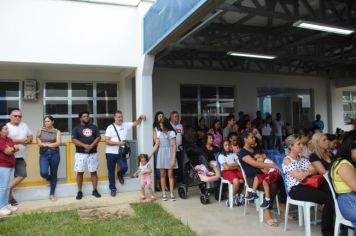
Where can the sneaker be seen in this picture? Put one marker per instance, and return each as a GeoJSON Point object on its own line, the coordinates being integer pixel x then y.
{"type": "Point", "coordinates": [11, 208]}
{"type": "Point", "coordinates": [172, 197]}
{"type": "Point", "coordinates": [238, 200]}
{"type": "Point", "coordinates": [113, 193]}
{"type": "Point", "coordinates": [265, 204]}
{"type": "Point", "coordinates": [5, 211]}
{"type": "Point", "coordinates": [251, 196]}
{"type": "Point", "coordinates": [164, 197]}
{"type": "Point", "coordinates": [96, 193]}
{"type": "Point", "coordinates": [79, 195]}
{"type": "Point", "coordinates": [121, 179]}
{"type": "Point", "coordinates": [13, 202]}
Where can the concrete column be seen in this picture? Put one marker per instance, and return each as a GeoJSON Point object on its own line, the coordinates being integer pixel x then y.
{"type": "Point", "coordinates": [144, 103]}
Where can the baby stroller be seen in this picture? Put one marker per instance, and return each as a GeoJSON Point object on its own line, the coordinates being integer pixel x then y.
{"type": "Point", "coordinates": [193, 156]}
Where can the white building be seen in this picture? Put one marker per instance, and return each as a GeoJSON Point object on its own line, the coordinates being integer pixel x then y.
{"type": "Point", "coordinates": [95, 55]}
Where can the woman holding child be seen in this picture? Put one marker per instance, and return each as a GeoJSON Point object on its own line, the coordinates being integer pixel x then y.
{"type": "Point", "coordinates": [253, 167]}
{"type": "Point", "coordinates": [296, 169]}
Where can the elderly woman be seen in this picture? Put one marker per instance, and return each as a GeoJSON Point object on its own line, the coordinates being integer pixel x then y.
{"type": "Point", "coordinates": [296, 169]}
{"type": "Point", "coordinates": [343, 175]}
{"type": "Point", "coordinates": [252, 167]}
{"type": "Point", "coordinates": [7, 168]}
{"type": "Point", "coordinates": [321, 158]}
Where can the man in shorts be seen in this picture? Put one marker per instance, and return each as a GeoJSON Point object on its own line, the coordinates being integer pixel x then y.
{"type": "Point", "coordinates": [86, 137]}
{"type": "Point", "coordinates": [21, 135]}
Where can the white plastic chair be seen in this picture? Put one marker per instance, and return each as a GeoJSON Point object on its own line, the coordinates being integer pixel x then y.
{"type": "Point", "coordinates": [222, 182]}
{"type": "Point", "coordinates": [339, 218]}
{"type": "Point", "coordinates": [258, 201]}
{"type": "Point", "coordinates": [303, 210]}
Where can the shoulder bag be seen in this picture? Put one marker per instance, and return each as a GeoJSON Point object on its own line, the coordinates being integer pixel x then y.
{"type": "Point", "coordinates": [123, 149]}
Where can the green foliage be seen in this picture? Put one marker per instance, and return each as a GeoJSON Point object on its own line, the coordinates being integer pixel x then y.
{"type": "Point", "coordinates": [149, 219]}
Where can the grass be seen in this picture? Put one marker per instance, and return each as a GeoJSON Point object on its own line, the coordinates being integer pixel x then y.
{"type": "Point", "coordinates": [149, 219]}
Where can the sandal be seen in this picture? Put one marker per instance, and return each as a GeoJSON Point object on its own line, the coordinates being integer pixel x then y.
{"type": "Point", "coordinates": [52, 198]}
{"type": "Point", "coordinates": [142, 198]}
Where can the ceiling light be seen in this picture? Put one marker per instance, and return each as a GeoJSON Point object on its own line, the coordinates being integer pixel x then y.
{"type": "Point", "coordinates": [323, 27]}
{"type": "Point", "coordinates": [253, 55]}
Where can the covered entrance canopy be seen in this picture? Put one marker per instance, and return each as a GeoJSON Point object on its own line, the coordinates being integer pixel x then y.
{"type": "Point", "coordinates": [202, 37]}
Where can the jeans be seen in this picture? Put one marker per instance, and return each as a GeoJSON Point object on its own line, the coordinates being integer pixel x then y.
{"type": "Point", "coordinates": [112, 160]}
{"type": "Point", "coordinates": [266, 142]}
{"type": "Point", "coordinates": [347, 205]}
{"type": "Point", "coordinates": [6, 176]}
{"type": "Point", "coordinates": [49, 162]}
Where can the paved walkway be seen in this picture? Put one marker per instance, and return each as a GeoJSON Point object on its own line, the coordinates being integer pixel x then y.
{"type": "Point", "coordinates": [212, 219]}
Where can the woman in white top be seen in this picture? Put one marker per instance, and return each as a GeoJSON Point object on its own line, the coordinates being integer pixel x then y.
{"type": "Point", "coordinates": [296, 169]}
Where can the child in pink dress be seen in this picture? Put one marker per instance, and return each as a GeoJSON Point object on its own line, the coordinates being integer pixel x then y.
{"type": "Point", "coordinates": [144, 171]}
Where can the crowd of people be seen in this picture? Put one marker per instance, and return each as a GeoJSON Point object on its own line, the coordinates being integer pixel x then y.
{"type": "Point", "coordinates": [237, 146]}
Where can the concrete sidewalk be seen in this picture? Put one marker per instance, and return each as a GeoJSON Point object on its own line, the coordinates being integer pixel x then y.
{"type": "Point", "coordinates": [208, 220]}
{"type": "Point", "coordinates": [217, 219]}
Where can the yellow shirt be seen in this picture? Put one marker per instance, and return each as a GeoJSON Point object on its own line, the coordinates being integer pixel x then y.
{"type": "Point", "coordinates": [339, 185]}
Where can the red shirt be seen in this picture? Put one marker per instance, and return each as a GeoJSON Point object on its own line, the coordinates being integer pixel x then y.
{"type": "Point", "coordinates": [7, 161]}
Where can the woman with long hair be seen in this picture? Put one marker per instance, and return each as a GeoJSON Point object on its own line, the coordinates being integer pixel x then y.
{"type": "Point", "coordinates": [49, 139]}
{"type": "Point", "coordinates": [216, 131]}
{"type": "Point", "coordinates": [296, 169]}
{"type": "Point", "coordinates": [253, 167]}
{"type": "Point", "coordinates": [321, 158]}
{"type": "Point", "coordinates": [343, 176]}
{"type": "Point", "coordinates": [166, 157]}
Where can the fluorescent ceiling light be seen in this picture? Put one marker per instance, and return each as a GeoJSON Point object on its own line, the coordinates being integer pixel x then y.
{"type": "Point", "coordinates": [323, 27]}
{"type": "Point", "coordinates": [253, 55]}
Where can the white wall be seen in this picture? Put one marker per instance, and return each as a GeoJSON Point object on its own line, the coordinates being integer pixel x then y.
{"type": "Point", "coordinates": [166, 87]}
{"type": "Point", "coordinates": [68, 32]}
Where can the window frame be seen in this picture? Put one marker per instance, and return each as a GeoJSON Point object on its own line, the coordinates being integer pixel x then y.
{"type": "Point", "coordinates": [7, 116]}
{"type": "Point", "coordinates": [70, 116]}
{"type": "Point", "coordinates": [349, 103]}
{"type": "Point", "coordinates": [199, 100]}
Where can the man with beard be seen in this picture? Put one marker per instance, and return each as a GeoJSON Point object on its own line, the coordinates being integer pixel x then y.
{"type": "Point", "coordinates": [86, 137]}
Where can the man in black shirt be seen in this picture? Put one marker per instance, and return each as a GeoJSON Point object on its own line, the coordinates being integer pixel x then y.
{"type": "Point", "coordinates": [86, 137]}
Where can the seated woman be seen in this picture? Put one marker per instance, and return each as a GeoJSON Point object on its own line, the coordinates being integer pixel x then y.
{"type": "Point", "coordinates": [296, 169]}
{"type": "Point", "coordinates": [343, 176]}
{"type": "Point", "coordinates": [210, 150]}
{"type": "Point", "coordinates": [253, 167]}
{"type": "Point", "coordinates": [230, 170]}
{"type": "Point", "coordinates": [321, 158]}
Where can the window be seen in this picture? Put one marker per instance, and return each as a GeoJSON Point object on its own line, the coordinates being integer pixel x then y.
{"type": "Point", "coordinates": [65, 100]}
{"type": "Point", "coordinates": [9, 98]}
{"type": "Point", "coordinates": [349, 105]}
{"type": "Point", "coordinates": [210, 102]}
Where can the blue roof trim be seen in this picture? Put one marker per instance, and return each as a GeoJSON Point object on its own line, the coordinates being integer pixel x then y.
{"type": "Point", "coordinates": [164, 17]}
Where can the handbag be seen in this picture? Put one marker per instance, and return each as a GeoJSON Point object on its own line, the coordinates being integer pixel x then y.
{"type": "Point", "coordinates": [123, 149]}
{"type": "Point", "coordinates": [313, 181]}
